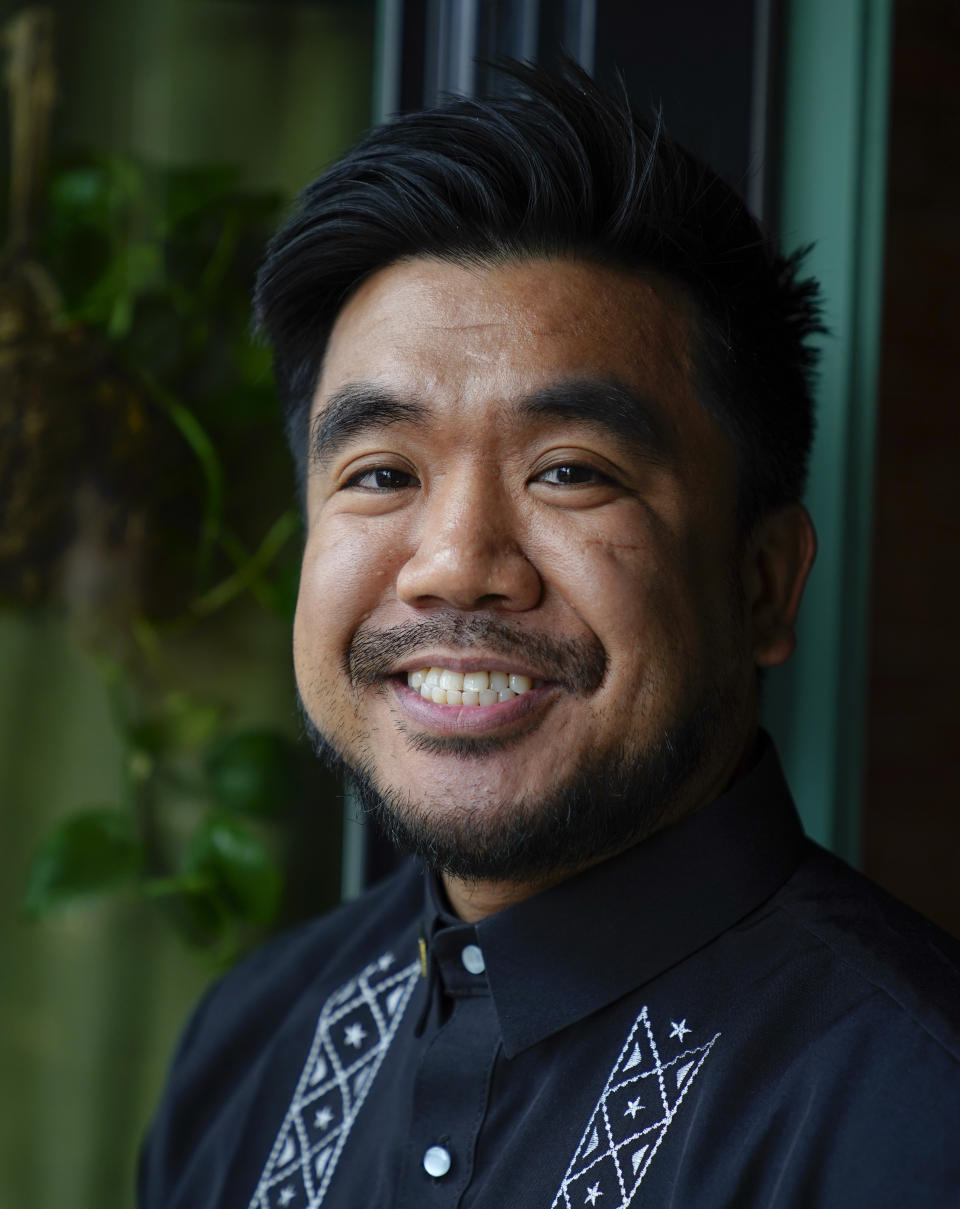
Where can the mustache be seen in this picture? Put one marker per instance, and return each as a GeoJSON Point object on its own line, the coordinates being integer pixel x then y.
{"type": "Point", "coordinates": [577, 664]}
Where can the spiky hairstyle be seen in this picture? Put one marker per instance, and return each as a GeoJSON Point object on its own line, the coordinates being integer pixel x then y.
{"type": "Point", "coordinates": [558, 167]}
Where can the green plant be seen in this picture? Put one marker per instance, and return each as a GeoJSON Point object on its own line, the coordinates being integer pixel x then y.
{"type": "Point", "coordinates": [139, 456]}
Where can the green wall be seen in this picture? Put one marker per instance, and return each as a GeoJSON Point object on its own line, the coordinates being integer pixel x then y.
{"type": "Point", "coordinates": [832, 189]}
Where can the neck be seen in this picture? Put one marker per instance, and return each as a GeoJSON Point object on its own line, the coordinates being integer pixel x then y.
{"type": "Point", "coordinates": [472, 901]}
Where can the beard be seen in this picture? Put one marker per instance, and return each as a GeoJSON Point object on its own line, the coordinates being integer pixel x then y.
{"type": "Point", "coordinates": [615, 799]}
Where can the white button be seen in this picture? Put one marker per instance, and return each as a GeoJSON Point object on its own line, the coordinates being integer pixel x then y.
{"type": "Point", "coordinates": [436, 1161]}
{"type": "Point", "coordinates": [472, 958]}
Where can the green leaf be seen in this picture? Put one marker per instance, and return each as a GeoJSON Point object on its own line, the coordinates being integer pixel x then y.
{"type": "Point", "coordinates": [245, 874]}
{"type": "Point", "coordinates": [135, 268]}
{"type": "Point", "coordinates": [207, 455]}
{"type": "Point", "coordinates": [78, 195]}
{"type": "Point", "coordinates": [88, 854]}
{"type": "Point", "coordinates": [251, 569]}
{"type": "Point", "coordinates": [202, 919]}
{"type": "Point", "coordinates": [253, 772]}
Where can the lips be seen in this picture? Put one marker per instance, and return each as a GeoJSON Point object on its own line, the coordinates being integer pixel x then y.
{"type": "Point", "coordinates": [499, 709]}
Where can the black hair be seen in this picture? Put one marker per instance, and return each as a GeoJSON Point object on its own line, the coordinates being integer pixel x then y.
{"type": "Point", "coordinates": [558, 167]}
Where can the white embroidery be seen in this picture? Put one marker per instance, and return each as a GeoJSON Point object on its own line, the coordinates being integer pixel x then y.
{"type": "Point", "coordinates": [356, 1026]}
{"type": "Point", "coordinates": [636, 1107]}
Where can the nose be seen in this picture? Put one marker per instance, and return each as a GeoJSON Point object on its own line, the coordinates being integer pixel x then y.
{"type": "Point", "coordinates": [468, 551]}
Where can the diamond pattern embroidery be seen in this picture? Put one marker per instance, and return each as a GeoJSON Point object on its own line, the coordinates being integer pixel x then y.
{"type": "Point", "coordinates": [636, 1107]}
{"type": "Point", "coordinates": [356, 1026]}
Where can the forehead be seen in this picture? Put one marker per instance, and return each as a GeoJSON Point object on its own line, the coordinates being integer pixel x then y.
{"type": "Point", "coordinates": [466, 334]}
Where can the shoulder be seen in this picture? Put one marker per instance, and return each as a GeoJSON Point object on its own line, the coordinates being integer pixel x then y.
{"type": "Point", "coordinates": [879, 945]}
{"type": "Point", "coordinates": [246, 1039]}
{"type": "Point", "coordinates": [309, 960]}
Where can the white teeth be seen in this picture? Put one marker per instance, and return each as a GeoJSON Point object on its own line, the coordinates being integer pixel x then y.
{"type": "Point", "coordinates": [445, 687]}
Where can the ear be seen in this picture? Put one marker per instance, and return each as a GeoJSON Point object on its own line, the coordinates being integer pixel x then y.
{"type": "Point", "coordinates": [779, 556]}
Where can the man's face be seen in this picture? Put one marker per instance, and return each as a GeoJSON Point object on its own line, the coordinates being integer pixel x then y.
{"type": "Point", "coordinates": [510, 472]}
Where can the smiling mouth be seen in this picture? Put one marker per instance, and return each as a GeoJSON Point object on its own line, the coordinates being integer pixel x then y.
{"type": "Point", "coordinates": [444, 686]}
{"type": "Point", "coordinates": [447, 646]}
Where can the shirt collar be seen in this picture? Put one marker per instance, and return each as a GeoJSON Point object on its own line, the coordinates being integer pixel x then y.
{"type": "Point", "coordinates": [576, 947]}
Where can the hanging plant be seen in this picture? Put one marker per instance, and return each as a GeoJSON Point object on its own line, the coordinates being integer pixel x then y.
{"type": "Point", "coordinates": [132, 404]}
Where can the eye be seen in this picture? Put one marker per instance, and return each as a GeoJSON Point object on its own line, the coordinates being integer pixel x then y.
{"type": "Point", "coordinates": [381, 478]}
{"type": "Point", "coordinates": [572, 474]}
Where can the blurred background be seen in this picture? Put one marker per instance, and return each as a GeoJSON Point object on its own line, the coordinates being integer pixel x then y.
{"type": "Point", "coordinates": [159, 814]}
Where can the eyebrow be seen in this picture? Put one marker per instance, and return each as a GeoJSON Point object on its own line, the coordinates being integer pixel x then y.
{"type": "Point", "coordinates": [356, 408]}
{"type": "Point", "coordinates": [607, 404]}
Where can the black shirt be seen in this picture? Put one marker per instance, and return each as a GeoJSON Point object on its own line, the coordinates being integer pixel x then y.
{"type": "Point", "coordinates": [724, 1015]}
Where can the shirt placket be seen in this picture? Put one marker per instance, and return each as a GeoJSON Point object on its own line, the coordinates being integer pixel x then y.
{"type": "Point", "coordinates": [452, 1082]}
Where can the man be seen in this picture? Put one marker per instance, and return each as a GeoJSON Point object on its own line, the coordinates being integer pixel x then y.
{"type": "Point", "coordinates": [548, 387]}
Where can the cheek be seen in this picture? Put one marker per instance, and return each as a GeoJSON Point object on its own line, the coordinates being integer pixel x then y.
{"type": "Point", "coordinates": [344, 576]}
{"type": "Point", "coordinates": [643, 592]}
{"type": "Point", "coordinates": [618, 576]}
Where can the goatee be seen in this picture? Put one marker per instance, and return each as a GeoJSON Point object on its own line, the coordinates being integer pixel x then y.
{"type": "Point", "coordinates": [616, 799]}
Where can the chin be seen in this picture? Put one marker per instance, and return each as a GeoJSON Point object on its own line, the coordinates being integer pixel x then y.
{"type": "Point", "coordinates": [614, 799]}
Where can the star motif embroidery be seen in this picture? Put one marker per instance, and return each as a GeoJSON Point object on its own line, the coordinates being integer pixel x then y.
{"type": "Point", "coordinates": [633, 1107]}
{"type": "Point", "coordinates": [593, 1193]}
{"type": "Point", "coordinates": [323, 1118]}
{"type": "Point", "coordinates": [679, 1030]}
{"type": "Point", "coordinates": [354, 1034]}
{"type": "Point", "coordinates": [286, 1196]}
